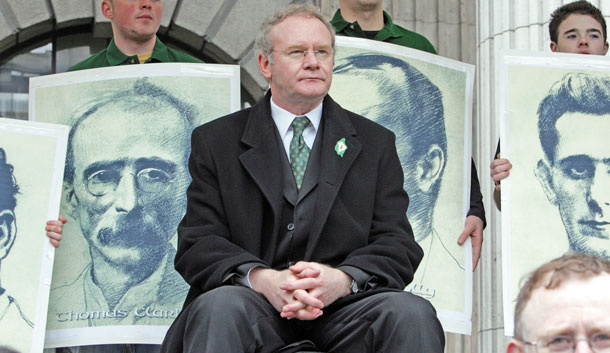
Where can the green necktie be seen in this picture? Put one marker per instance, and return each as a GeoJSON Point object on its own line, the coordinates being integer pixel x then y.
{"type": "Point", "coordinates": [299, 152]}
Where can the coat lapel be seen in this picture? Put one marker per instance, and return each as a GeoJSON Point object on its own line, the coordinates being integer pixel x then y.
{"type": "Point", "coordinates": [262, 162]}
{"type": "Point", "coordinates": [333, 167]}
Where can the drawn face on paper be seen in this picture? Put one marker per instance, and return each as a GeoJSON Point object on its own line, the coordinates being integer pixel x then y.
{"type": "Point", "coordinates": [577, 180]}
{"type": "Point", "coordinates": [129, 188]}
{"type": "Point", "coordinates": [394, 94]}
{"type": "Point", "coordinates": [8, 190]}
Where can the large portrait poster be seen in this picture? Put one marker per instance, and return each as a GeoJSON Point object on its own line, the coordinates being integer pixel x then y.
{"type": "Point", "coordinates": [32, 157]}
{"type": "Point", "coordinates": [124, 193]}
{"type": "Point", "coordinates": [426, 100]}
{"type": "Point", "coordinates": [554, 130]}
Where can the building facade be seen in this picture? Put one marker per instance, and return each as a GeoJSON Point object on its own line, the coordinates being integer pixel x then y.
{"type": "Point", "coordinates": [39, 37]}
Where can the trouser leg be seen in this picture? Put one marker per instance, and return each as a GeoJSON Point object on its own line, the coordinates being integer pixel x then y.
{"type": "Point", "coordinates": [144, 348]}
{"type": "Point", "coordinates": [100, 348]}
{"type": "Point", "coordinates": [229, 319]}
{"type": "Point", "coordinates": [385, 322]}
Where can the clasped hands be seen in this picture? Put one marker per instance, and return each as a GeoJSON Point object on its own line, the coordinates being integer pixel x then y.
{"type": "Point", "coordinates": [302, 290]}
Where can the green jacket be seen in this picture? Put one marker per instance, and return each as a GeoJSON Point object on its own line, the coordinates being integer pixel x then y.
{"type": "Point", "coordinates": [112, 56]}
{"type": "Point", "coordinates": [390, 33]}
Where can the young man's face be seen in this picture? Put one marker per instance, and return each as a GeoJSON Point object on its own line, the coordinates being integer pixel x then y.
{"type": "Point", "coordinates": [361, 4]}
{"type": "Point", "coordinates": [580, 34]}
{"type": "Point", "coordinates": [134, 20]}
{"type": "Point", "coordinates": [577, 181]}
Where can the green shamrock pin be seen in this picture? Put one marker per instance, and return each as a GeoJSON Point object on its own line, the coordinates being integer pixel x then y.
{"type": "Point", "coordinates": [341, 147]}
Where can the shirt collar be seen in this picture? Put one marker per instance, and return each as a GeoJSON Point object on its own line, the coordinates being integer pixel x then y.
{"type": "Point", "coordinates": [283, 118]}
{"type": "Point", "coordinates": [388, 30]}
{"type": "Point", "coordinates": [338, 22]}
{"type": "Point", "coordinates": [116, 57]}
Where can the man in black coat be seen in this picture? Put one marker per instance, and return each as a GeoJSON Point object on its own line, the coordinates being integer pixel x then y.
{"type": "Point", "coordinates": [295, 234]}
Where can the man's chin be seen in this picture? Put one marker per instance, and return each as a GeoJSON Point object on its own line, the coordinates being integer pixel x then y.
{"type": "Point", "coordinates": [594, 244]}
{"type": "Point", "coordinates": [121, 257]}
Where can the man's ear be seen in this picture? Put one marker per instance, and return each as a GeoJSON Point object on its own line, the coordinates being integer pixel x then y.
{"type": "Point", "coordinates": [107, 9]}
{"type": "Point", "coordinates": [8, 232]}
{"type": "Point", "coordinates": [70, 201]}
{"type": "Point", "coordinates": [554, 47]}
{"type": "Point", "coordinates": [543, 173]}
{"type": "Point", "coordinates": [514, 346]}
{"type": "Point", "coordinates": [605, 48]}
{"type": "Point", "coordinates": [264, 65]}
{"type": "Point", "coordinates": [430, 168]}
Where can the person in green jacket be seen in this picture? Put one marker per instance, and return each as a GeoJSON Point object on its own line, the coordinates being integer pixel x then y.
{"type": "Point", "coordinates": [134, 27]}
{"type": "Point", "coordinates": [366, 19]}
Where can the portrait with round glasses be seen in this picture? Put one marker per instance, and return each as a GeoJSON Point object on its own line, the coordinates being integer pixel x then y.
{"type": "Point", "coordinates": [124, 194]}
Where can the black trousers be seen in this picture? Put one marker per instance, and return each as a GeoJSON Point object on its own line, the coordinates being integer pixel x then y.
{"type": "Point", "coordinates": [237, 319]}
{"type": "Point", "coordinates": [111, 348]}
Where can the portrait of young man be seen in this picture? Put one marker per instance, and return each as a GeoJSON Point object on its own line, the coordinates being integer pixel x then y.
{"type": "Point", "coordinates": [573, 121]}
{"type": "Point", "coordinates": [555, 126]}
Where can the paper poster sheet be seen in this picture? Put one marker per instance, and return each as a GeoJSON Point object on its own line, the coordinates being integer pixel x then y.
{"type": "Point", "coordinates": [554, 129]}
{"type": "Point", "coordinates": [427, 101]}
{"type": "Point", "coordinates": [124, 193]}
{"type": "Point", "coordinates": [32, 157]}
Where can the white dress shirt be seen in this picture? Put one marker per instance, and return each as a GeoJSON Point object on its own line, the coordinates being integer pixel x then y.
{"type": "Point", "coordinates": [283, 120]}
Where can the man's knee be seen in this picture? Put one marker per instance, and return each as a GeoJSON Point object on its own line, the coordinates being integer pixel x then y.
{"type": "Point", "coordinates": [221, 302]}
{"type": "Point", "coordinates": [413, 306]}
{"type": "Point", "coordinates": [414, 320]}
{"type": "Point", "coordinates": [403, 308]}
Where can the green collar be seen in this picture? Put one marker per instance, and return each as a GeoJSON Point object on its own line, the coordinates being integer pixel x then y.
{"type": "Point", "coordinates": [389, 30]}
{"type": "Point", "coordinates": [116, 57]}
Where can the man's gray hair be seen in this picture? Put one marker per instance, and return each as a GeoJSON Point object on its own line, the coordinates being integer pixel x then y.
{"type": "Point", "coordinates": [264, 43]}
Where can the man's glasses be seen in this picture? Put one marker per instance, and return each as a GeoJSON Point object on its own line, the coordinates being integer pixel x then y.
{"type": "Point", "coordinates": [300, 54]}
{"type": "Point", "coordinates": [599, 343]}
{"type": "Point", "coordinates": [150, 180]}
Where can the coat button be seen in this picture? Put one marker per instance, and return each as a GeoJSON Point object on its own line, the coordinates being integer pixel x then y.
{"type": "Point", "coordinates": [290, 226]}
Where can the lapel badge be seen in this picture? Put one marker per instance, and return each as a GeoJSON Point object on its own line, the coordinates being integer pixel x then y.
{"type": "Point", "coordinates": [340, 147]}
